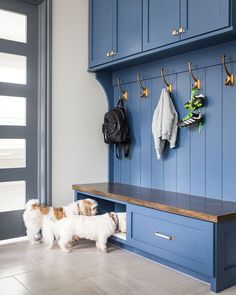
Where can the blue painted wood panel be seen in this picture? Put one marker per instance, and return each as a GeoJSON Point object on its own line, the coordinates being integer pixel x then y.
{"type": "Point", "coordinates": [229, 142]}
{"type": "Point", "coordinates": [146, 142]}
{"type": "Point", "coordinates": [202, 163]}
{"type": "Point", "coordinates": [160, 19]}
{"type": "Point", "coordinates": [197, 149]}
{"type": "Point", "coordinates": [200, 17]}
{"type": "Point", "coordinates": [225, 265]}
{"type": "Point", "coordinates": [184, 135]}
{"type": "Point", "coordinates": [127, 24]}
{"type": "Point", "coordinates": [100, 26]}
{"type": "Point", "coordinates": [185, 241]}
{"type": "Point", "coordinates": [213, 131]}
{"type": "Point", "coordinates": [135, 120]}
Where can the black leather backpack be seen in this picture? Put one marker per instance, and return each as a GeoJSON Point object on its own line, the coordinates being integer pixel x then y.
{"type": "Point", "coordinates": [115, 129]}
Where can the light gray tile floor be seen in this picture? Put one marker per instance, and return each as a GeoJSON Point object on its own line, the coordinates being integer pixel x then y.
{"type": "Point", "coordinates": [26, 269]}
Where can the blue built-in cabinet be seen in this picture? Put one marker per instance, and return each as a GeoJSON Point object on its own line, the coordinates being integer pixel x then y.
{"type": "Point", "coordinates": [128, 37]}
{"type": "Point", "coordinates": [171, 21]}
{"type": "Point", "coordinates": [161, 23]}
{"type": "Point", "coordinates": [204, 16]}
{"type": "Point", "coordinates": [115, 30]}
{"type": "Point", "coordinates": [100, 27]}
{"type": "Point", "coordinates": [131, 31]}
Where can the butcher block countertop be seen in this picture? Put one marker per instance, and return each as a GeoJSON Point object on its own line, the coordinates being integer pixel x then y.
{"type": "Point", "coordinates": [202, 208]}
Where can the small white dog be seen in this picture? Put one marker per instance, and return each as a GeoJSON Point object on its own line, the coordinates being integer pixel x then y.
{"type": "Point", "coordinates": [35, 215]}
{"type": "Point", "coordinates": [97, 228]}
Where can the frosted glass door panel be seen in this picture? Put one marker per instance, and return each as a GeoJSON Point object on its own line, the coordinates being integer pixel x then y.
{"type": "Point", "coordinates": [13, 26]}
{"type": "Point", "coordinates": [12, 68]}
{"type": "Point", "coordinates": [12, 153]}
{"type": "Point", "coordinates": [12, 196]}
{"type": "Point", "coordinates": [12, 111]}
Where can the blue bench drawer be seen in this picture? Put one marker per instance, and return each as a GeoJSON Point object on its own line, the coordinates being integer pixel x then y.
{"type": "Point", "coordinates": [181, 240]}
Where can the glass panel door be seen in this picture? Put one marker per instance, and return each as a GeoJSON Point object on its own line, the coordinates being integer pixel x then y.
{"type": "Point", "coordinates": [18, 112]}
{"type": "Point", "coordinates": [13, 26]}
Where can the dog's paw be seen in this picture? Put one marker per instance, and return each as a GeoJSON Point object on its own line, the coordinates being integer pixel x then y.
{"type": "Point", "coordinates": [104, 249]}
{"type": "Point", "coordinates": [36, 242]}
{"type": "Point", "coordinates": [67, 250]}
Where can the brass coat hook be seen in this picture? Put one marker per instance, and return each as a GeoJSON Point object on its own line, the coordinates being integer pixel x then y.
{"type": "Point", "coordinates": [168, 85]}
{"type": "Point", "coordinates": [143, 90]}
{"type": "Point", "coordinates": [197, 82]}
{"type": "Point", "coordinates": [229, 81]}
{"type": "Point", "coordinates": [123, 93]}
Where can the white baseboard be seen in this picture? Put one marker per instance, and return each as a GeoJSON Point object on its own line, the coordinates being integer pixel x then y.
{"type": "Point", "coordinates": [11, 241]}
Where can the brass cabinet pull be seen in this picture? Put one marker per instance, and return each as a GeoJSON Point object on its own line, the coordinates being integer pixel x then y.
{"type": "Point", "coordinates": [113, 53]}
{"type": "Point", "coordinates": [182, 30]}
{"type": "Point", "coordinates": [158, 234]}
{"type": "Point", "coordinates": [175, 32]}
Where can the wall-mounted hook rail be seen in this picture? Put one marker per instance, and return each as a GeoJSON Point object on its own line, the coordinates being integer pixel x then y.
{"type": "Point", "coordinates": [229, 81]}
{"type": "Point", "coordinates": [197, 82]}
{"type": "Point", "coordinates": [143, 90]}
{"type": "Point", "coordinates": [168, 85]}
{"type": "Point", "coordinates": [123, 93]}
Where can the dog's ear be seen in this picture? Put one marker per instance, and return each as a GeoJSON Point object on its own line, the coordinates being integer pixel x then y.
{"type": "Point", "coordinates": [80, 207]}
{"type": "Point", "coordinates": [85, 207]}
{"type": "Point", "coordinates": [35, 206]}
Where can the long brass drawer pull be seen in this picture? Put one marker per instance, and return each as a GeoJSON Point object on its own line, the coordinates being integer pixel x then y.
{"type": "Point", "coordinates": [158, 234]}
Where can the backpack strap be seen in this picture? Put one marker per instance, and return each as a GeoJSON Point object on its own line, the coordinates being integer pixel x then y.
{"type": "Point", "coordinates": [117, 151]}
{"type": "Point", "coordinates": [120, 103]}
{"type": "Point", "coordinates": [126, 149]}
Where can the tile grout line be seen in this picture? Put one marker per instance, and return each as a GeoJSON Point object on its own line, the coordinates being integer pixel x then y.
{"type": "Point", "coordinates": [22, 285]}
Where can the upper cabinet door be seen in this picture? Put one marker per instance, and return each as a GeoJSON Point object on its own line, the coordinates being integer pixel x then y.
{"type": "Point", "coordinates": [160, 23]}
{"type": "Point", "coordinates": [128, 26]}
{"type": "Point", "coordinates": [100, 31]}
{"type": "Point", "coordinates": [203, 16]}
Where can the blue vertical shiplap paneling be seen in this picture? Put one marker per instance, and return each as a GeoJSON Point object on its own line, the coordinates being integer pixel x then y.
{"type": "Point", "coordinates": [229, 140]}
{"type": "Point", "coordinates": [117, 162]}
{"type": "Point", "coordinates": [157, 177]}
{"type": "Point", "coordinates": [183, 140]}
{"type": "Point", "coordinates": [203, 163]}
{"type": "Point", "coordinates": [124, 162]}
{"type": "Point", "coordinates": [169, 155]}
{"type": "Point", "coordinates": [135, 124]}
{"type": "Point", "coordinates": [198, 149]}
{"type": "Point", "coordinates": [213, 129]}
{"type": "Point", "coordinates": [146, 140]}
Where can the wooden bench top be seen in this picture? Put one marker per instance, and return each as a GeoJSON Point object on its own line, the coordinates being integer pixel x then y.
{"type": "Point", "coordinates": [207, 209]}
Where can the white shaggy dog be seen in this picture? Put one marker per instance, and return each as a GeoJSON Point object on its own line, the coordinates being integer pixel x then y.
{"type": "Point", "coordinates": [35, 215]}
{"type": "Point", "coordinates": [97, 228]}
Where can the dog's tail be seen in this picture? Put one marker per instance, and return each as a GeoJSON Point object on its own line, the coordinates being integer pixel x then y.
{"type": "Point", "coordinates": [31, 203]}
{"type": "Point", "coordinates": [48, 232]}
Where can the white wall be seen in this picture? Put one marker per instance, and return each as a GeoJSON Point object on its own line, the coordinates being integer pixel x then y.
{"type": "Point", "coordinates": [79, 103]}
